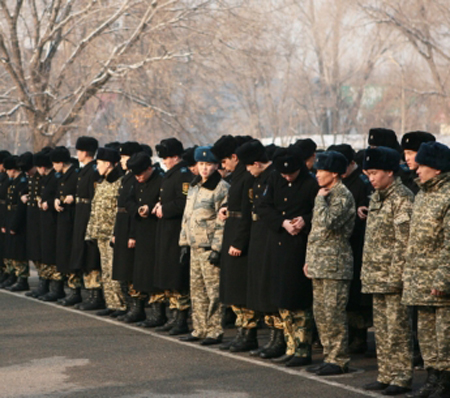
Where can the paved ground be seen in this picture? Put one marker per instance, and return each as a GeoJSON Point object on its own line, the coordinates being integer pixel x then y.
{"type": "Point", "coordinates": [50, 351]}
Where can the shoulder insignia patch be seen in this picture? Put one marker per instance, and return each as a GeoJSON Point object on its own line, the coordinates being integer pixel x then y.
{"type": "Point", "coordinates": [184, 170]}
{"type": "Point", "coordinates": [185, 188]}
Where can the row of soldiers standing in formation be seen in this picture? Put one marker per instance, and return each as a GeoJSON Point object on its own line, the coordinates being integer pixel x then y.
{"type": "Point", "coordinates": [275, 242]}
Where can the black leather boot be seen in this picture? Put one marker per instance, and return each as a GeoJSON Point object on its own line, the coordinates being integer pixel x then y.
{"type": "Point", "coordinates": [278, 347]}
{"type": "Point", "coordinates": [9, 281]}
{"type": "Point", "coordinates": [95, 302]}
{"type": "Point", "coordinates": [21, 285]}
{"type": "Point", "coordinates": [42, 289]}
{"type": "Point", "coordinates": [136, 312]}
{"type": "Point", "coordinates": [181, 326]}
{"type": "Point", "coordinates": [170, 323]}
{"type": "Point", "coordinates": [56, 292]}
{"type": "Point", "coordinates": [73, 298]}
{"type": "Point", "coordinates": [239, 336]}
{"type": "Point", "coordinates": [428, 387]}
{"type": "Point", "coordinates": [156, 318]}
{"type": "Point", "coordinates": [3, 277]}
{"type": "Point", "coordinates": [255, 353]}
{"type": "Point", "coordinates": [442, 389]}
{"type": "Point", "coordinates": [248, 342]}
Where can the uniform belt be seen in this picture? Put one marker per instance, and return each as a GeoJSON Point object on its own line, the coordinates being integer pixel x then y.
{"type": "Point", "coordinates": [255, 217]}
{"type": "Point", "coordinates": [121, 210]}
{"type": "Point", "coordinates": [235, 214]}
{"type": "Point", "coordinates": [12, 207]}
{"type": "Point", "coordinates": [83, 200]}
{"type": "Point", "coordinates": [2, 202]}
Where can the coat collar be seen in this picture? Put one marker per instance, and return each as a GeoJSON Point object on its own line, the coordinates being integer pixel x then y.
{"type": "Point", "coordinates": [211, 183]}
{"type": "Point", "coordinates": [435, 183]}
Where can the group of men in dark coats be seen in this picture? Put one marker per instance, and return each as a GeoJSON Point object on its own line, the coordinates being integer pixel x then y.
{"type": "Point", "coordinates": [45, 207]}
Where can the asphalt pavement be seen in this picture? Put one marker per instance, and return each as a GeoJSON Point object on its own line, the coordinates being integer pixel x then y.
{"type": "Point", "coordinates": [50, 351]}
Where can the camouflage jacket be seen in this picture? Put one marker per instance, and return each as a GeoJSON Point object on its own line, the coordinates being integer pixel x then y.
{"type": "Point", "coordinates": [329, 254]}
{"type": "Point", "coordinates": [386, 239]}
{"type": "Point", "coordinates": [428, 254]}
{"type": "Point", "coordinates": [200, 226]}
{"type": "Point", "coordinates": [104, 207]}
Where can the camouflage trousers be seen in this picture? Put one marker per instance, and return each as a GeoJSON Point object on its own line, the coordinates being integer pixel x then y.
{"type": "Point", "coordinates": [298, 331]}
{"type": "Point", "coordinates": [273, 321]}
{"type": "Point", "coordinates": [434, 337]}
{"type": "Point", "coordinates": [49, 272]}
{"type": "Point", "coordinates": [19, 268]}
{"type": "Point", "coordinates": [207, 310]}
{"type": "Point", "coordinates": [112, 291]}
{"type": "Point", "coordinates": [177, 301]}
{"type": "Point", "coordinates": [330, 301]}
{"type": "Point", "coordinates": [133, 293]}
{"type": "Point", "coordinates": [245, 318]}
{"type": "Point", "coordinates": [74, 280]}
{"type": "Point", "coordinates": [360, 319]}
{"type": "Point", "coordinates": [92, 279]}
{"type": "Point", "coordinates": [393, 336]}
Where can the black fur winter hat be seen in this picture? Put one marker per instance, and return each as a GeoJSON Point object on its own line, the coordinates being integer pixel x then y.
{"type": "Point", "coordinates": [383, 137]}
{"type": "Point", "coordinates": [130, 148]}
{"type": "Point", "coordinates": [381, 158]}
{"type": "Point", "coordinates": [26, 161]}
{"type": "Point", "coordinates": [332, 161]}
{"type": "Point", "coordinates": [345, 149]}
{"type": "Point", "coordinates": [139, 162]}
{"type": "Point", "coordinates": [307, 146]}
{"type": "Point", "coordinates": [108, 155]}
{"type": "Point", "coordinates": [169, 147]}
{"type": "Point", "coordinates": [251, 152]}
{"type": "Point", "coordinates": [11, 163]}
{"type": "Point", "coordinates": [412, 140]}
{"type": "Point", "coordinates": [3, 155]}
{"type": "Point", "coordinates": [434, 155]}
{"type": "Point", "coordinates": [60, 154]}
{"type": "Point", "coordinates": [224, 147]}
{"type": "Point", "coordinates": [188, 156]}
{"type": "Point", "coordinates": [288, 160]}
{"type": "Point", "coordinates": [88, 144]}
{"type": "Point", "coordinates": [42, 159]}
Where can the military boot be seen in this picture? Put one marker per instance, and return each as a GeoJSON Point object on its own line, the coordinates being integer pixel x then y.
{"type": "Point", "coordinates": [278, 347]}
{"type": "Point", "coordinates": [157, 316]}
{"type": "Point", "coordinates": [3, 277]}
{"type": "Point", "coordinates": [9, 281]}
{"type": "Point", "coordinates": [239, 336]}
{"type": "Point", "coordinates": [95, 302]}
{"type": "Point", "coordinates": [428, 387]}
{"type": "Point", "coordinates": [136, 312]}
{"type": "Point", "coordinates": [21, 285]}
{"type": "Point", "coordinates": [247, 343]}
{"type": "Point", "coordinates": [442, 389]}
{"type": "Point", "coordinates": [56, 292]}
{"type": "Point", "coordinates": [73, 298]}
{"type": "Point", "coordinates": [256, 352]}
{"type": "Point", "coordinates": [42, 289]}
{"type": "Point", "coordinates": [181, 326]}
{"type": "Point", "coordinates": [170, 323]}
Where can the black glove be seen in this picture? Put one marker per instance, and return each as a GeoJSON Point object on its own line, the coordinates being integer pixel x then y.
{"type": "Point", "coordinates": [214, 258]}
{"type": "Point", "coordinates": [185, 256]}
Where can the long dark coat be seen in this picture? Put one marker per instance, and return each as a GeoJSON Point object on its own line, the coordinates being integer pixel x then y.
{"type": "Point", "coordinates": [285, 200]}
{"type": "Point", "coordinates": [87, 177]}
{"type": "Point", "coordinates": [33, 219]}
{"type": "Point", "coordinates": [169, 275]}
{"type": "Point", "coordinates": [259, 281]}
{"type": "Point", "coordinates": [361, 190]}
{"type": "Point", "coordinates": [146, 193]}
{"type": "Point", "coordinates": [16, 220]}
{"type": "Point", "coordinates": [124, 229]}
{"type": "Point", "coordinates": [67, 185]}
{"type": "Point", "coordinates": [234, 270]}
{"type": "Point", "coordinates": [49, 217]}
{"type": "Point", "coordinates": [4, 184]}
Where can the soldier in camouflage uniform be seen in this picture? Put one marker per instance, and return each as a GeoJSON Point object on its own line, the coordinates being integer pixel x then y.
{"type": "Point", "coordinates": [427, 271]}
{"type": "Point", "coordinates": [329, 261]}
{"type": "Point", "coordinates": [387, 233]}
{"type": "Point", "coordinates": [101, 227]}
{"type": "Point", "coordinates": [202, 231]}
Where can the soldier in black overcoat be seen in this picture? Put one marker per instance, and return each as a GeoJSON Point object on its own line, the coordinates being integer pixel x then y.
{"type": "Point", "coordinates": [67, 176]}
{"type": "Point", "coordinates": [170, 276]}
{"type": "Point", "coordinates": [15, 228]}
{"type": "Point", "coordinates": [143, 198]}
{"type": "Point", "coordinates": [80, 263]}
{"type": "Point", "coordinates": [4, 183]}
{"type": "Point", "coordinates": [287, 209]}
{"type": "Point", "coordinates": [236, 238]}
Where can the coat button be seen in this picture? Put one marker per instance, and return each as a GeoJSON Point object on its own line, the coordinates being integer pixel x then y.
{"type": "Point", "coordinates": [285, 199]}
{"type": "Point", "coordinates": [279, 243]}
{"type": "Point", "coordinates": [290, 184]}
{"type": "Point", "coordinates": [283, 213]}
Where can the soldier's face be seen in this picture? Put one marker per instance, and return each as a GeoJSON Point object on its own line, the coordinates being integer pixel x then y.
{"type": "Point", "coordinates": [82, 156]}
{"type": "Point", "coordinates": [123, 161]}
{"type": "Point", "coordinates": [230, 163]}
{"type": "Point", "coordinates": [254, 169]}
{"type": "Point", "coordinates": [310, 162]}
{"type": "Point", "coordinates": [171, 161]}
{"type": "Point", "coordinates": [41, 170]}
{"type": "Point", "coordinates": [410, 157]}
{"type": "Point", "coordinates": [426, 173]}
{"type": "Point", "coordinates": [58, 167]}
{"type": "Point", "coordinates": [290, 177]}
{"type": "Point", "coordinates": [194, 169]}
{"type": "Point", "coordinates": [103, 167]}
{"type": "Point", "coordinates": [326, 178]}
{"type": "Point", "coordinates": [205, 169]}
{"type": "Point", "coordinates": [143, 177]}
{"type": "Point", "coordinates": [380, 179]}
